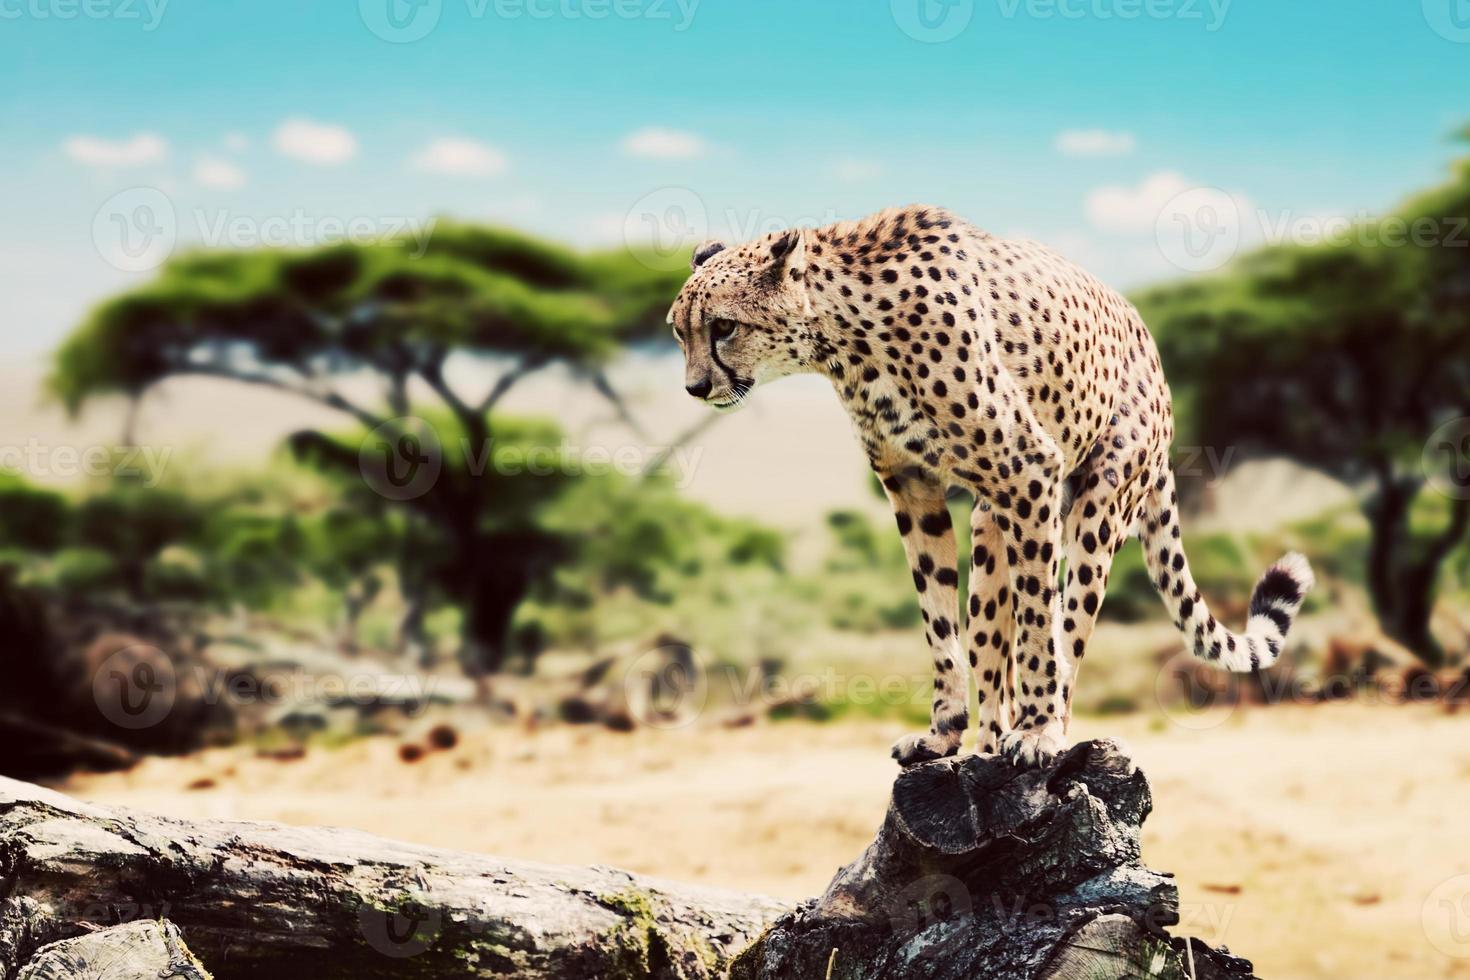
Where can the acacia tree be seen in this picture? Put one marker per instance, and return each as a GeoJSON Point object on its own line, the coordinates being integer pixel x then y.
{"type": "Point", "coordinates": [1347, 356]}
{"type": "Point", "coordinates": [315, 323]}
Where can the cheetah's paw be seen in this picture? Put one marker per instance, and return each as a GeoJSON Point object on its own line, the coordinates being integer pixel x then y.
{"type": "Point", "coordinates": [1032, 749]}
{"type": "Point", "coordinates": [914, 749]}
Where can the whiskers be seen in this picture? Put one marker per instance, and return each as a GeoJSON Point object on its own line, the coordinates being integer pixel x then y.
{"type": "Point", "coordinates": [735, 396]}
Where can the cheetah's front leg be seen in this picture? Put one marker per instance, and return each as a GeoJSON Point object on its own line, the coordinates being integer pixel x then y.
{"type": "Point", "coordinates": [991, 626]}
{"type": "Point", "coordinates": [1032, 529]}
{"type": "Point", "coordinates": [928, 540]}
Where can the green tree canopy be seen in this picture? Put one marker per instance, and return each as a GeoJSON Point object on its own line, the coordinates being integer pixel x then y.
{"type": "Point", "coordinates": [399, 311]}
{"type": "Point", "coordinates": [1346, 356]}
{"type": "Point", "coordinates": [295, 320]}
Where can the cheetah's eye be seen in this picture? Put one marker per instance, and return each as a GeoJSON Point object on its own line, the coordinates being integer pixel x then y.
{"type": "Point", "coordinates": [720, 328]}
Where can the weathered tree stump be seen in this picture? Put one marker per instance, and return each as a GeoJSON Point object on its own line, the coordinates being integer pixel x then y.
{"type": "Point", "coordinates": [983, 870]}
{"type": "Point", "coordinates": [980, 870]}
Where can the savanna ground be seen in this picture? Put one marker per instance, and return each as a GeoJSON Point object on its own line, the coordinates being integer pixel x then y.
{"type": "Point", "coordinates": [1310, 839]}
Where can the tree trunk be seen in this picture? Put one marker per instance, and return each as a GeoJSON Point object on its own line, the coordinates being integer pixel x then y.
{"type": "Point", "coordinates": [980, 870]}
{"type": "Point", "coordinates": [1401, 588]}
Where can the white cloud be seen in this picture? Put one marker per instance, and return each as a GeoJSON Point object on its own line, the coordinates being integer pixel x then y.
{"type": "Point", "coordinates": [236, 142]}
{"type": "Point", "coordinates": [1135, 210]}
{"type": "Point", "coordinates": [458, 157]}
{"type": "Point", "coordinates": [221, 175]}
{"type": "Point", "coordinates": [135, 151]}
{"type": "Point", "coordinates": [664, 144]}
{"type": "Point", "coordinates": [318, 143]}
{"type": "Point", "coordinates": [1094, 143]}
{"type": "Point", "coordinates": [1193, 227]}
{"type": "Point", "coordinates": [854, 171]}
{"type": "Point", "coordinates": [1164, 197]}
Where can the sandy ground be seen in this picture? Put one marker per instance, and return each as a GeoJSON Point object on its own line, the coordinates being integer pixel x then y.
{"type": "Point", "coordinates": [1319, 842]}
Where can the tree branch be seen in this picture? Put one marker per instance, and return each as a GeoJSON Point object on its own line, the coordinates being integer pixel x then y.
{"type": "Point", "coordinates": [508, 380]}
{"type": "Point", "coordinates": [1446, 540]}
{"type": "Point", "coordinates": [690, 433]}
{"type": "Point", "coordinates": [604, 387]}
{"type": "Point", "coordinates": [330, 399]}
{"type": "Point", "coordinates": [433, 373]}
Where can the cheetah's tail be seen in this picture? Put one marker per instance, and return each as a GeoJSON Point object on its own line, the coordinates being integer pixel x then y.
{"type": "Point", "coordinates": [1275, 600]}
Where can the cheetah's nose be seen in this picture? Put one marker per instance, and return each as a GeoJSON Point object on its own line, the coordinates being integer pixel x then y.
{"type": "Point", "coordinates": [700, 388]}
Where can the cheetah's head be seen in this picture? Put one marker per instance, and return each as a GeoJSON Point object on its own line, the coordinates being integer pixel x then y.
{"type": "Point", "coordinates": [744, 317]}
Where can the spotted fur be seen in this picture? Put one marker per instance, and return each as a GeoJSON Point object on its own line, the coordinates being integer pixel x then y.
{"type": "Point", "coordinates": [996, 366]}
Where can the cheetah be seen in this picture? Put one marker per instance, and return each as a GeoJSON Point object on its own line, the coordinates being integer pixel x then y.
{"type": "Point", "coordinates": [997, 367]}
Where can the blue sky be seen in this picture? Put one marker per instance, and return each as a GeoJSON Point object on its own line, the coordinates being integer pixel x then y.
{"type": "Point", "coordinates": [1066, 120]}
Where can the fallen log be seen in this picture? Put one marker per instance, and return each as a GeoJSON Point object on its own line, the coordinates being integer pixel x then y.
{"type": "Point", "coordinates": [980, 870]}
{"type": "Point", "coordinates": [264, 900]}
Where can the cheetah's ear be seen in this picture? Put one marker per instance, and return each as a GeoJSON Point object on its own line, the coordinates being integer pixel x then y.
{"type": "Point", "coordinates": [705, 252]}
{"type": "Point", "coordinates": [787, 273]}
{"type": "Point", "coordinates": [789, 252]}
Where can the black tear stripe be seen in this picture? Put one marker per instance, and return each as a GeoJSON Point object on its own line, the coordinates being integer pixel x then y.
{"type": "Point", "coordinates": [715, 357]}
